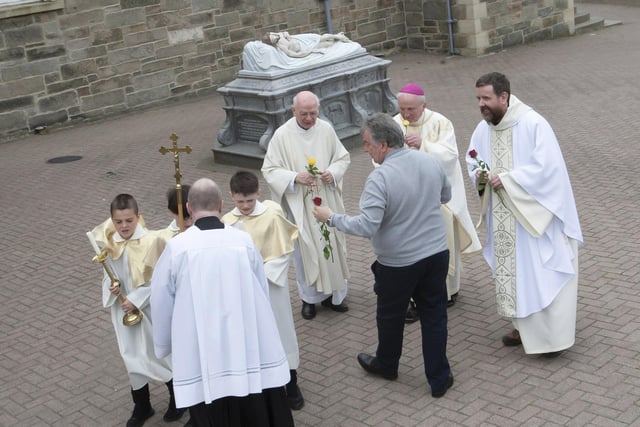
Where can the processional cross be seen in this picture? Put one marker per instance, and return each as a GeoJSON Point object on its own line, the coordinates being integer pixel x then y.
{"type": "Point", "coordinates": [176, 163]}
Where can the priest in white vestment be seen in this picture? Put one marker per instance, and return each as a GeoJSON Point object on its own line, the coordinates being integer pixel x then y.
{"type": "Point", "coordinates": [210, 300]}
{"type": "Point", "coordinates": [433, 133]}
{"type": "Point", "coordinates": [304, 138]}
{"type": "Point", "coordinates": [533, 231]}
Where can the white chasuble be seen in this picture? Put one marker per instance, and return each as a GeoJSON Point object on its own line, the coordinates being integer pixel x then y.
{"type": "Point", "coordinates": [287, 155]}
{"type": "Point", "coordinates": [532, 227]}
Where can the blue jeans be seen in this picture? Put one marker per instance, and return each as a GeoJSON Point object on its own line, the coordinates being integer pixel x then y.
{"type": "Point", "coordinates": [425, 282]}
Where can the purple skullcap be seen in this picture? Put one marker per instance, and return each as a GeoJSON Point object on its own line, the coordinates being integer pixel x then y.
{"type": "Point", "coordinates": [412, 88]}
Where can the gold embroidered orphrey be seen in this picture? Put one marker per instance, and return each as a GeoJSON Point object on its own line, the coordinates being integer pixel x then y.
{"type": "Point", "coordinates": [176, 163]}
{"type": "Point", "coordinates": [504, 227]}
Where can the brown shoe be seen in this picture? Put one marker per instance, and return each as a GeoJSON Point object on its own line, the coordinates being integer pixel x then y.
{"type": "Point", "coordinates": [512, 339]}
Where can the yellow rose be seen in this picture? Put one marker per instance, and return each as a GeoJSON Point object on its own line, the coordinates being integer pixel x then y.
{"type": "Point", "coordinates": [312, 161]}
{"type": "Point", "coordinates": [405, 122]}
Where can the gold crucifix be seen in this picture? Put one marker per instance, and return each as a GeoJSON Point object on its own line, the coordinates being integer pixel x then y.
{"type": "Point", "coordinates": [176, 162]}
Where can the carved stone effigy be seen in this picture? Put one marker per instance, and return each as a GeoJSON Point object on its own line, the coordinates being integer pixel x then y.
{"type": "Point", "coordinates": [350, 84]}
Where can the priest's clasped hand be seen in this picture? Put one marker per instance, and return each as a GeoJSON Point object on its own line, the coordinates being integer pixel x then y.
{"type": "Point", "coordinates": [306, 178]}
{"type": "Point", "coordinates": [413, 141]}
{"type": "Point", "coordinates": [494, 181]}
{"type": "Point", "coordinates": [326, 177]}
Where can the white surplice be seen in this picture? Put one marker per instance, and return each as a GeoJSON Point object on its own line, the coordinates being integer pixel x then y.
{"type": "Point", "coordinates": [532, 227]}
{"type": "Point", "coordinates": [135, 342]}
{"type": "Point", "coordinates": [211, 311]}
{"type": "Point", "coordinates": [273, 235]}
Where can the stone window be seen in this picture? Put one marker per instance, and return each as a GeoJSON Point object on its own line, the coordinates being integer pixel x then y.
{"type": "Point", "coordinates": [9, 8]}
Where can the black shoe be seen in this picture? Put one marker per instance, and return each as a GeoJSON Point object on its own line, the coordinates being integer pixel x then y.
{"type": "Point", "coordinates": [138, 419]}
{"type": "Point", "coordinates": [370, 364]}
{"type": "Point", "coordinates": [552, 355]}
{"type": "Point", "coordinates": [142, 409]}
{"type": "Point", "coordinates": [308, 310]}
{"type": "Point", "coordinates": [189, 423]}
{"type": "Point", "coordinates": [412, 313]}
{"type": "Point", "coordinates": [173, 414]}
{"type": "Point", "coordinates": [295, 399]}
{"type": "Point", "coordinates": [340, 308]}
{"type": "Point", "coordinates": [442, 392]}
{"type": "Point", "coordinates": [452, 300]}
{"type": "Point", "coordinates": [512, 339]}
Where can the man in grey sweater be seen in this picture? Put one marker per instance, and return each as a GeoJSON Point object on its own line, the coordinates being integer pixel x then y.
{"type": "Point", "coordinates": [400, 213]}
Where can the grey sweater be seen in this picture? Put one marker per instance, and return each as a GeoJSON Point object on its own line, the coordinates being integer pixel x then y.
{"type": "Point", "coordinates": [400, 208]}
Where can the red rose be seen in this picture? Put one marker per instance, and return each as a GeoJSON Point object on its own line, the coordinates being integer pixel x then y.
{"type": "Point", "coordinates": [317, 201]}
{"type": "Point", "coordinates": [473, 154]}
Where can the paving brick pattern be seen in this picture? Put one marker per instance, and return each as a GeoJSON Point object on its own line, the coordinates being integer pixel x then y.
{"type": "Point", "coordinates": [59, 365]}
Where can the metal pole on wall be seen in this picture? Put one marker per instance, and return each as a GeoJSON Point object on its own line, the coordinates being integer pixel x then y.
{"type": "Point", "coordinates": [327, 12]}
{"type": "Point", "coordinates": [451, 21]}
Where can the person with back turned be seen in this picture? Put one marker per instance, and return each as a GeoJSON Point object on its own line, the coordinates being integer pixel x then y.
{"type": "Point", "coordinates": [210, 302]}
{"type": "Point", "coordinates": [409, 238]}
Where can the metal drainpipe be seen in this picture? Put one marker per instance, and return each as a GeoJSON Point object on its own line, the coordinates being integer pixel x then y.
{"type": "Point", "coordinates": [450, 21]}
{"type": "Point", "coordinates": [327, 12]}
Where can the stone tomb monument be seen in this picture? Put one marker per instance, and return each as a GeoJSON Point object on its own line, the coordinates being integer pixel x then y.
{"type": "Point", "coordinates": [350, 83]}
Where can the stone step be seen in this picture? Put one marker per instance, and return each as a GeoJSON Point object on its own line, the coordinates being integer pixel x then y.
{"type": "Point", "coordinates": [580, 18]}
{"type": "Point", "coordinates": [593, 24]}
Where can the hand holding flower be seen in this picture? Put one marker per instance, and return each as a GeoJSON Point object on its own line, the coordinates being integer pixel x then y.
{"type": "Point", "coordinates": [310, 177]}
{"type": "Point", "coordinates": [482, 171]}
{"type": "Point", "coordinates": [322, 214]}
{"type": "Point", "coordinates": [305, 178]}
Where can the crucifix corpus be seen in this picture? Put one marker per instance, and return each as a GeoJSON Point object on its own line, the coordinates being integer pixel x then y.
{"type": "Point", "coordinates": [176, 163]}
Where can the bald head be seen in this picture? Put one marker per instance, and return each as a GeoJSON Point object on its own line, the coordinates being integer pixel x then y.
{"type": "Point", "coordinates": [306, 99]}
{"type": "Point", "coordinates": [205, 199]}
{"type": "Point", "coordinates": [306, 109]}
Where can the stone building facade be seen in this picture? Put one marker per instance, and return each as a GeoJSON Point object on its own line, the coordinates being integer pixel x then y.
{"type": "Point", "coordinates": [64, 61]}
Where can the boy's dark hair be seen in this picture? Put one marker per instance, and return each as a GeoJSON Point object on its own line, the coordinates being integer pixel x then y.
{"type": "Point", "coordinates": [122, 202]}
{"type": "Point", "coordinates": [244, 182]}
{"type": "Point", "coordinates": [172, 200]}
{"type": "Point", "coordinates": [499, 82]}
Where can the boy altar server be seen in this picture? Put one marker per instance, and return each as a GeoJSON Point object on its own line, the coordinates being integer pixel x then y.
{"type": "Point", "coordinates": [133, 251]}
{"type": "Point", "coordinates": [273, 235]}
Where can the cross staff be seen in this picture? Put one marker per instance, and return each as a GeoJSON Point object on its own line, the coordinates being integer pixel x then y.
{"type": "Point", "coordinates": [176, 162]}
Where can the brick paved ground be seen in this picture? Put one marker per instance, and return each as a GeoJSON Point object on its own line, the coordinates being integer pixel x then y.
{"type": "Point", "coordinates": [59, 364]}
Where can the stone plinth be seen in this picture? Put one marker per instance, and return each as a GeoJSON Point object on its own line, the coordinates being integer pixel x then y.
{"type": "Point", "coordinates": [256, 104]}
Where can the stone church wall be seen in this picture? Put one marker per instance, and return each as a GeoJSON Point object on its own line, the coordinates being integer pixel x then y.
{"type": "Point", "coordinates": [66, 61]}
